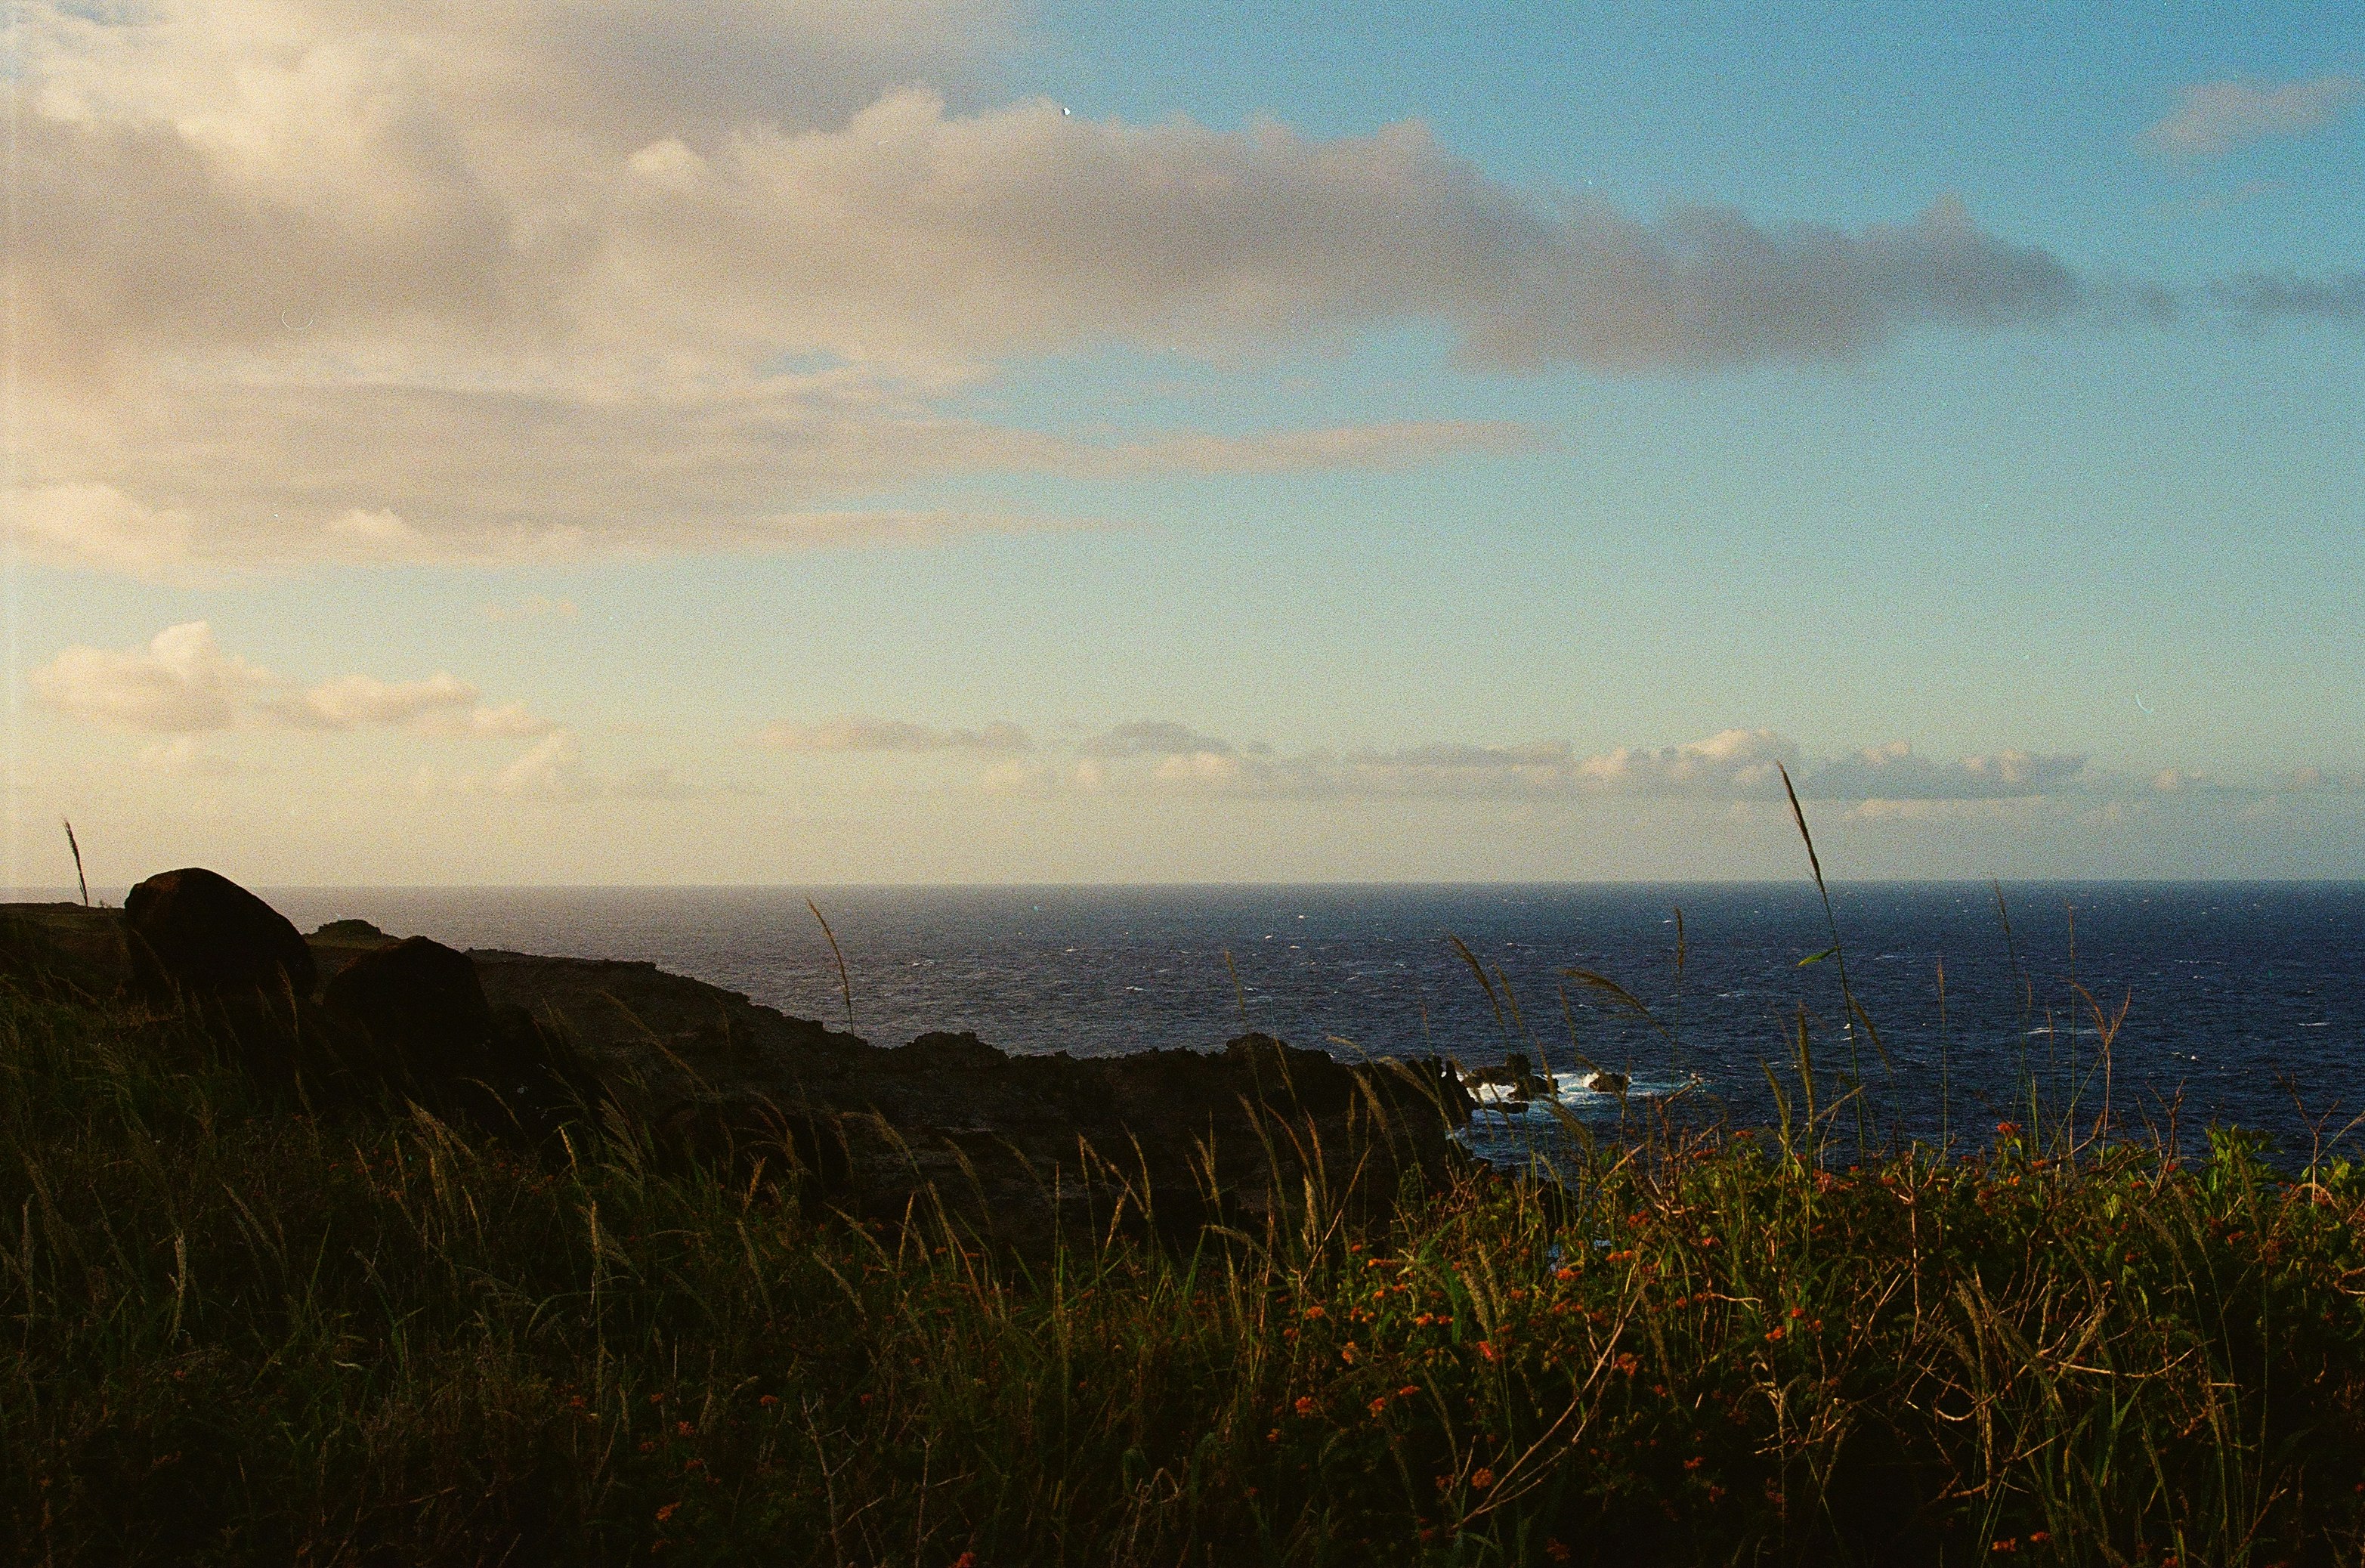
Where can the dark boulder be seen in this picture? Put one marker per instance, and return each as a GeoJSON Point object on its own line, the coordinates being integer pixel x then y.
{"type": "Point", "coordinates": [193, 932]}
{"type": "Point", "coordinates": [417, 1011]}
{"type": "Point", "coordinates": [422, 1009]}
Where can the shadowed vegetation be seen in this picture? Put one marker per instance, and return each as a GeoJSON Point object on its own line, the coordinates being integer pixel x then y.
{"type": "Point", "coordinates": [236, 1333]}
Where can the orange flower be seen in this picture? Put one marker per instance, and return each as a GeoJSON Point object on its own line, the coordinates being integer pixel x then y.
{"type": "Point", "coordinates": [666, 1512]}
{"type": "Point", "coordinates": [1487, 1349]}
{"type": "Point", "coordinates": [1305, 1405]}
{"type": "Point", "coordinates": [1483, 1478]}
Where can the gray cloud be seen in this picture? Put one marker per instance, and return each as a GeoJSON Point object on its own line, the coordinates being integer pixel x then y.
{"type": "Point", "coordinates": [2265, 296]}
{"type": "Point", "coordinates": [1733, 764]}
{"type": "Point", "coordinates": [286, 247]}
{"type": "Point", "coordinates": [1154, 737]}
{"type": "Point", "coordinates": [1893, 772]}
{"type": "Point", "coordinates": [2212, 119]}
{"type": "Point", "coordinates": [854, 733]}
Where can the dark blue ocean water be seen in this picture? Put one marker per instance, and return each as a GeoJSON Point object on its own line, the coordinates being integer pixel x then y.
{"type": "Point", "coordinates": [2235, 996]}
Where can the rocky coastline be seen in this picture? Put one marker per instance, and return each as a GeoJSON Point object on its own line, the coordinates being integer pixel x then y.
{"type": "Point", "coordinates": [351, 1020]}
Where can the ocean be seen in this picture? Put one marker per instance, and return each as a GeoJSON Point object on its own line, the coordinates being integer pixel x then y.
{"type": "Point", "coordinates": [2234, 1002]}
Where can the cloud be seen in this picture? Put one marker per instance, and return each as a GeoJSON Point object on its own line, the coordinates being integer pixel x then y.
{"type": "Point", "coordinates": [180, 684]}
{"type": "Point", "coordinates": [183, 684]}
{"type": "Point", "coordinates": [2305, 780]}
{"type": "Point", "coordinates": [1399, 443]}
{"type": "Point", "coordinates": [1893, 773]}
{"type": "Point", "coordinates": [1738, 764]}
{"type": "Point", "coordinates": [2264, 297]}
{"type": "Point", "coordinates": [852, 732]}
{"type": "Point", "coordinates": [713, 274]}
{"type": "Point", "coordinates": [553, 769]}
{"type": "Point", "coordinates": [92, 525]}
{"type": "Point", "coordinates": [1153, 737]}
{"type": "Point", "coordinates": [2212, 119]}
{"type": "Point", "coordinates": [442, 705]}
{"type": "Point", "coordinates": [1915, 809]}
{"type": "Point", "coordinates": [1728, 762]}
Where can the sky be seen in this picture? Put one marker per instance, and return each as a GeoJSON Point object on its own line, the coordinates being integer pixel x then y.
{"type": "Point", "coordinates": [965, 440]}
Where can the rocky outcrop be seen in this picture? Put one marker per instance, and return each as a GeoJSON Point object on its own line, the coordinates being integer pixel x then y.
{"type": "Point", "coordinates": [194, 932]}
{"type": "Point", "coordinates": [1516, 1074]}
{"type": "Point", "coordinates": [1011, 1146]}
{"type": "Point", "coordinates": [1015, 1148]}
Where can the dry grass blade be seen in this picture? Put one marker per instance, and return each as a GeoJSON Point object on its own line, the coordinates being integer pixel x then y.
{"type": "Point", "coordinates": [1484, 981]}
{"type": "Point", "coordinates": [1620, 995]}
{"type": "Point", "coordinates": [844, 986]}
{"type": "Point", "coordinates": [74, 845]}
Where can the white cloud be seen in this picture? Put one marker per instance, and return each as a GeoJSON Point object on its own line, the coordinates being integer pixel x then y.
{"type": "Point", "coordinates": [1940, 810]}
{"type": "Point", "coordinates": [357, 700]}
{"type": "Point", "coordinates": [442, 705]}
{"type": "Point", "coordinates": [380, 534]}
{"type": "Point", "coordinates": [519, 282]}
{"type": "Point", "coordinates": [1738, 764]}
{"type": "Point", "coordinates": [551, 769]}
{"type": "Point", "coordinates": [1731, 761]}
{"type": "Point", "coordinates": [94, 524]}
{"type": "Point", "coordinates": [1893, 773]}
{"type": "Point", "coordinates": [854, 733]}
{"type": "Point", "coordinates": [2212, 119]}
{"type": "Point", "coordinates": [180, 684]}
{"type": "Point", "coordinates": [183, 684]}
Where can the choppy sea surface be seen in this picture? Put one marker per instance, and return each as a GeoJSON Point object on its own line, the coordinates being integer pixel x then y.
{"type": "Point", "coordinates": [2239, 1002]}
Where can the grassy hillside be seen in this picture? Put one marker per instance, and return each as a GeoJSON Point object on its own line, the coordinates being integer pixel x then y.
{"type": "Point", "coordinates": [238, 1333]}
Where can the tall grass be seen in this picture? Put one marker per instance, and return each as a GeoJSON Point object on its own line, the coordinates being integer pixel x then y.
{"type": "Point", "coordinates": [235, 1334]}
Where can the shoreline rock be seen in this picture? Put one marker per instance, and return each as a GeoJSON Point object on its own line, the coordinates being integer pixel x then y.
{"type": "Point", "coordinates": [1017, 1148]}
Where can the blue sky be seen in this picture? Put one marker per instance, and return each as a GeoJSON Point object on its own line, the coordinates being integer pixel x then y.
{"type": "Point", "coordinates": [528, 545]}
